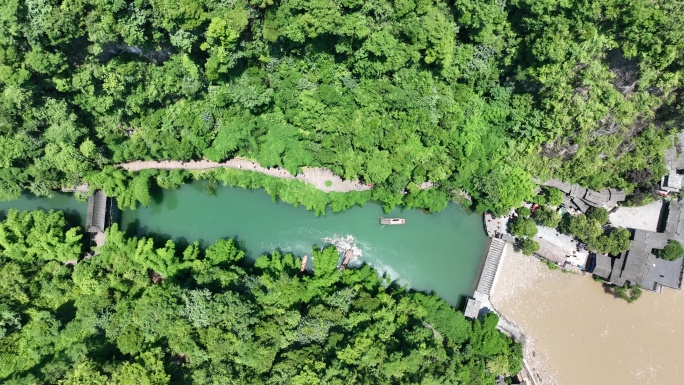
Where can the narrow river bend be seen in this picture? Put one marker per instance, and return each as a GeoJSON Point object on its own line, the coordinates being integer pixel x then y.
{"type": "Point", "coordinates": [432, 252]}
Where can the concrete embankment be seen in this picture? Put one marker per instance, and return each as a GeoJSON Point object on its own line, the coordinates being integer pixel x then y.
{"type": "Point", "coordinates": [486, 285]}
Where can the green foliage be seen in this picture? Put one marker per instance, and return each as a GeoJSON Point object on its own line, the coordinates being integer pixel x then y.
{"type": "Point", "coordinates": [523, 227]}
{"type": "Point", "coordinates": [547, 216]}
{"type": "Point", "coordinates": [673, 250]}
{"type": "Point", "coordinates": [554, 197]}
{"type": "Point", "coordinates": [213, 317]}
{"type": "Point", "coordinates": [471, 95]}
{"type": "Point", "coordinates": [627, 292]}
{"type": "Point", "coordinates": [38, 235]}
{"type": "Point", "coordinates": [613, 243]}
{"type": "Point", "coordinates": [598, 214]}
{"type": "Point", "coordinates": [523, 212]}
{"type": "Point", "coordinates": [528, 246]}
{"type": "Point", "coordinates": [581, 227]}
{"type": "Point", "coordinates": [548, 196]}
{"type": "Point", "coordinates": [590, 231]}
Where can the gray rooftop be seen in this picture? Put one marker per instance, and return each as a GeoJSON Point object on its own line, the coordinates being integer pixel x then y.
{"type": "Point", "coordinates": [580, 198]}
{"type": "Point", "coordinates": [596, 198]}
{"type": "Point", "coordinates": [637, 264]}
{"type": "Point", "coordinates": [616, 195]}
{"type": "Point", "coordinates": [577, 191]}
{"type": "Point", "coordinates": [97, 210]}
{"type": "Point", "coordinates": [603, 266]}
{"type": "Point", "coordinates": [580, 204]}
{"type": "Point", "coordinates": [641, 265]}
{"type": "Point", "coordinates": [563, 186]}
{"type": "Point", "coordinates": [675, 221]}
{"type": "Point", "coordinates": [618, 264]}
{"type": "Point", "coordinates": [472, 308]}
{"type": "Point", "coordinates": [666, 273]}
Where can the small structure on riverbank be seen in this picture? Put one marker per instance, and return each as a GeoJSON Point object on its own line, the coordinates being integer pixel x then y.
{"type": "Point", "coordinates": [472, 309]}
{"type": "Point", "coordinates": [348, 256]}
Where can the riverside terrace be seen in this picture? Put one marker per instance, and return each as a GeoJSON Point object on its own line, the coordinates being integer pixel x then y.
{"type": "Point", "coordinates": [640, 265]}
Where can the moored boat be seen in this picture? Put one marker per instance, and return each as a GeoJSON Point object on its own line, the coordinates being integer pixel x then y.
{"type": "Point", "coordinates": [392, 221]}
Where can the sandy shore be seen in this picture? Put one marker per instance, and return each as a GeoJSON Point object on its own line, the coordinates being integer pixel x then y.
{"type": "Point", "coordinates": [578, 333]}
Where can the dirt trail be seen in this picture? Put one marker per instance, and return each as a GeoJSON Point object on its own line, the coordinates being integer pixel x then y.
{"type": "Point", "coordinates": [317, 176]}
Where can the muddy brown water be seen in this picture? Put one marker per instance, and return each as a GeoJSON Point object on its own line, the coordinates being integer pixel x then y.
{"type": "Point", "coordinates": [580, 334]}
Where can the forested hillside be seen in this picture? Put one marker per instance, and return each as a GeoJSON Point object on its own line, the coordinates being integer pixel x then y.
{"type": "Point", "coordinates": [473, 95]}
{"type": "Point", "coordinates": [140, 313]}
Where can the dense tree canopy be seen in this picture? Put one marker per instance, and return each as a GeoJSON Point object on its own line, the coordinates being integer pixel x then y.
{"type": "Point", "coordinates": [673, 250]}
{"type": "Point", "coordinates": [142, 312]}
{"type": "Point", "coordinates": [473, 95]}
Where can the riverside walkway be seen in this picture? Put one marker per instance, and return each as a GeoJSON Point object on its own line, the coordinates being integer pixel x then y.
{"type": "Point", "coordinates": [320, 177]}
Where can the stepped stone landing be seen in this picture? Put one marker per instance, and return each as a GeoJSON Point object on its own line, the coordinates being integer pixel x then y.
{"type": "Point", "coordinates": [496, 249]}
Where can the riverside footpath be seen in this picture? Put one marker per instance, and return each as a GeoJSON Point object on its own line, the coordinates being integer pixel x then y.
{"type": "Point", "coordinates": [321, 178]}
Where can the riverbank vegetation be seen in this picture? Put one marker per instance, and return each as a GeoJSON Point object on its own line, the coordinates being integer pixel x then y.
{"type": "Point", "coordinates": [591, 229]}
{"type": "Point", "coordinates": [133, 188]}
{"type": "Point", "coordinates": [158, 313]}
{"type": "Point", "coordinates": [474, 96]}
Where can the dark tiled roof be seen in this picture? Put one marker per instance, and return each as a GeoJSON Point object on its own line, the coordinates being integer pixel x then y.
{"type": "Point", "coordinates": [660, 271]}
{"type": "Point", "coordinates": [577, 191]}
{"type": "Point", "coordinates": [603, 266]}
{"type": "Point", "coordinates": [675, 222]}
{"type": "Point", "coordinates": [580, 204]}
{"type": "Point", "coordinates": [596, 198]}
{"type": "Point", "coordinates": [637, 263]}
{"type": "Point", "coordinates": [97, 209]}
{"type": "Point", "coordinates": [563, 186]}
{"type": "Point", "coordinates": [618, 264]}
{"type": "Point", "coordinates": [616, 195]}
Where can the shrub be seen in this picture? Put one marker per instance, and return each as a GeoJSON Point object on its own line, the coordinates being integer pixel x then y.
{"type": "Point", "coordinates": [673, 250]}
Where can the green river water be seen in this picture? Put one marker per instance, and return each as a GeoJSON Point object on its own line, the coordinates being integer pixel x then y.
{"type": "Point", "coordinates": [432, 252]}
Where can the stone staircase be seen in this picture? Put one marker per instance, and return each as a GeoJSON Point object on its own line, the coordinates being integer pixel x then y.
{"type": "Point", "coordinates": [496, 248]}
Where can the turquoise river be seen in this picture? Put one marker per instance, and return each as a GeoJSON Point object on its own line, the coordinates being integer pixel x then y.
{"type": "Point", "coordinates": [438, 252]}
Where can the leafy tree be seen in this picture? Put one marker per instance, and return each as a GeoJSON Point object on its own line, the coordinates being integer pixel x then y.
{"type": "Point", "coordinates": [528, 246]}
{"type": "Point", "coordinates": [673, 250]}
{"type": "Point", "coordinates": [598, 214]}
{"type": "Point", "coordinates": [548, 217]}
{"type": "Point", "coordinates": [554, 197]}
{"type": "Point", "coordinates": [629, 293]}
{"type": "Point", "coordinates": [523, 212]}
{"type": "Point", "coordinates": [614, 242]}
{"type": "Point", "coordinates": [523, 227]}
{"type": "Point", "coordinates": [215, 317]}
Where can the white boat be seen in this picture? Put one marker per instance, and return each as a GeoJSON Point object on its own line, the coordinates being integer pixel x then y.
{"type": "Point", "coordinates": [392, 221]}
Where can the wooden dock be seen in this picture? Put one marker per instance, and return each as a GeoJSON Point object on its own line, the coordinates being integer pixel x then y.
{"type": "Point", "coordinates": [491, 265]}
